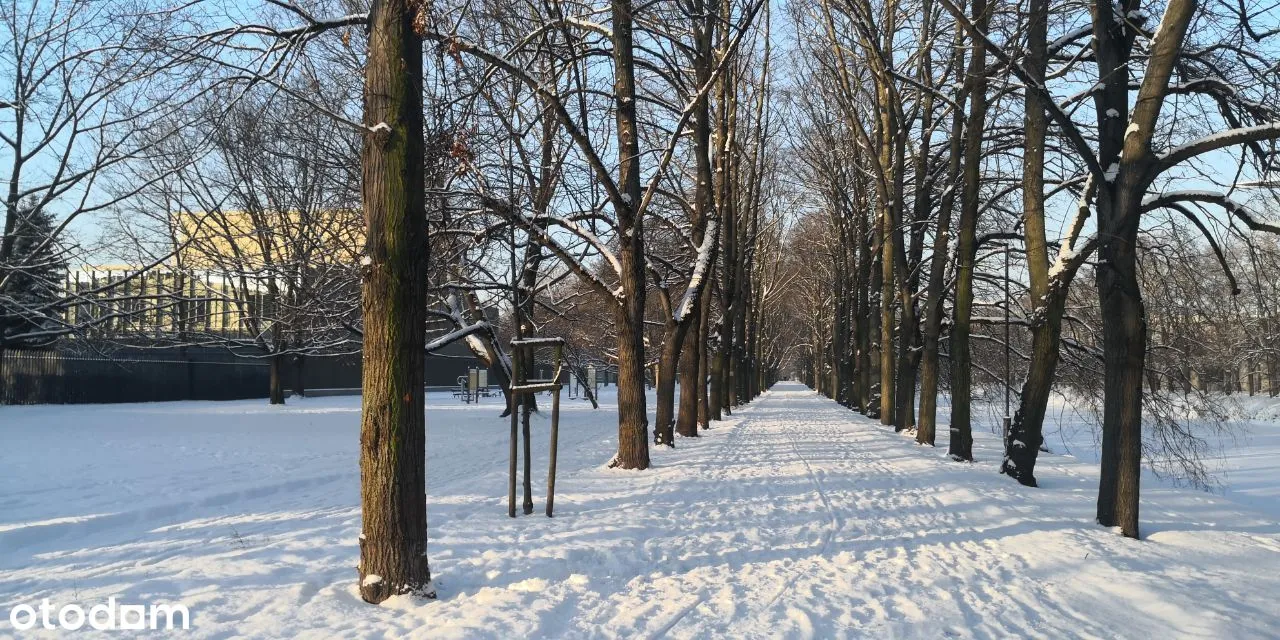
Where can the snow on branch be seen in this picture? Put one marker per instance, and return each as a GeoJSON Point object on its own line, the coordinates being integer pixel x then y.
{"type": "Point", "coordinates": [1235, 209]}
{"type": "Point", "coordinates": [703, 264]}
{"type": "Point", "coordinates": [580, 231]}
{"type": "Point", "coordinates": [456, 335]}
{"type": "Point", "coordinates": [542, 237]}
{"type": "Point", "coordinates": [1071, 254]}
{"type": "Point", "coordinates": [1220, 140]}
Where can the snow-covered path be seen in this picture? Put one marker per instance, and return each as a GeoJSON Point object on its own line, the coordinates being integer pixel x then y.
{"type": "Point", "coordinates": [805, 520]}
{"type": "Point", "coordinates": [795, 518]}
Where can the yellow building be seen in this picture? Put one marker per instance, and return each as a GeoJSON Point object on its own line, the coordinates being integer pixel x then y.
{"type": "Point", "coordinates": [256, 240]}
{"type": "Point", "coordinates": [218, 279]}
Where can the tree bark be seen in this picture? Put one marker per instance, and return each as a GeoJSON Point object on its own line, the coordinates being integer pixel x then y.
{"type": "Point", "coordinates": [664, 403]}
{"type": "Point", "coordinates": [393, 539]}
{"type": "Point", "coordinates": [633, 442]}
{"type": "Point", "coordinates": [862, 324]}
{"type": "Point", "coordinates": [715, 361]}
{"type": "Point", "coordinates": [704, 360]}
{"type": "Point", "coordinates": [525, 410]}
{"type": "Point", "coordinates": [1124, 355]}
{"type": "Point", "coordinates": [276, 376]}
{"type": "Point", "coordinates": [687, 417]}
{"type": "Point", "coordinates": [887, 224]}
{"type": "Point", "coordinates": [961, 445]}
{"type": "Point", "coordinates": [926, 431]}
{"type": "Point", "coordinates": [1022, 443]}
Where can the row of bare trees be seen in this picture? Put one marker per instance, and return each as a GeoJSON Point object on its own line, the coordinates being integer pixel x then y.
{"type": "Point", "coordinates": [551, 160]}
{"type": "Point", "coordinates": [652, 181]}
{"type": "Point", "coordinates": [605, 163]}
{"type": "Point", "coordinates": [942, 141]}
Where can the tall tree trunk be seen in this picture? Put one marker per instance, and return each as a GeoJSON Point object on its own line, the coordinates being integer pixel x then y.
{"type": "Point", "coordinates": [1273, 374]}
{"type": "Point", "coordinates": [526, 408]}
{"type": "Point", "coordinates": [753, 326]}
{"type": "Point", "coordinates": [839, 349]}
{"type": "Point", "coordinates": [728, 211]}
{"type": "Point", "coordinates": [907, 360]}
{"type": "Point", "coordinates": [874, 331]}
{"type": "Point", "coordinates": [664, 403]}
{"type": "Point", "coordinates": [706, 412]}
{"type": "Point", "coordinates": [926, 432]}
{"type": "Point", "coordinates": [1022, 443]}
{"type": "Point", "coordinates": [687, 417]}
{"type": "Point", "coordinates": [692, 385]}
{"type": "Point", "coordinates": [887, 224]}
{"type": "Point", "coordinates": [393, 538]}
{"type": "Point", "coordinates": [862, 324]}
{"type": "Point", "coordinates": [633, 441]}
{"type": "Point", "coordinates": [741, 301]}
{"type": "Point", "coordinates": [890, 190]}
{"type": "Point", "coordinates": [1124, 327]}
{"type": "Point", "coordinates": [1124, 355]}
{"type": "Point", "coordinates": [910, 257]}
{"type": "Point", "coordinates": [961, 445]}
{"type": "Point", "coordinates": [715, 360]}
{"type": "Point", "coordinates": [1026, 431]}
{"type": "Point", "coordinates": [848, 345]}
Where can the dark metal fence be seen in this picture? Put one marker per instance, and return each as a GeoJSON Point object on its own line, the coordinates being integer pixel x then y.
{"type": "Point", "coordinates": [53, 377]}
{"type": "Point", "coordinates": [146, 375]}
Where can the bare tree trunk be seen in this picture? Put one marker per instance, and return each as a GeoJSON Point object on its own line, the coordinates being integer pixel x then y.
{"type": "Point", "coordinates": [1273, 375]}
{"type": "Point", "coordinates": [961, 445]}
{"type": "Point", "coordinates": [741, 372]}
{"type": "Point", "coordinates": [874, 358]}
{"type": "Point", "coordinates": [705, 357]}
{"type": "Point", "coordinates": [664, 404]}
{"type": "Point", "coordinates": [633, 443]}
{"type": "Point", "coordinates": [393, 538]}
{"type": "Point", "coordinates": [908, 358]}
{"type": "Point", "coordinates": [1026, 431]}
{"type": "Point", "coordinates": [276, 376]}
{"type": "Point", "coordinates": [887, 224]}
{"type": "Point", "coordinates": [1124, 327]}
{"type": "Point", "coordinates": [862, 325]}
{"type": "Point", "coordinates": [715, 360]}
{"type": "Point", "coordinates": [926, 432]}
{"type": "Point", "coordinates": [1025, 436]}
{"type": "Point", "coordinates": [687, 418]}
{"type": "Point", "coordinates": [889, 181]}
{"type": "Point", "coordinates": [839, 350]}
{"type": "Point", "coordinates": [1124, 355]}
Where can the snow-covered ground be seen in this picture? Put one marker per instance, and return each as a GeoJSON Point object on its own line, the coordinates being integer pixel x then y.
{"type": "Point", "coordinates": [794, 519]}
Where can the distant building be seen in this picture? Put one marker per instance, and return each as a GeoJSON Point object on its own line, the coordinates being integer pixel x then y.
{"type": "Point", "coordinates": [161, 302]}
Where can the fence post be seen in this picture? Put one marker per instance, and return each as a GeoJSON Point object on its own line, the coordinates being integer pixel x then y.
{"type": "Point", "coordinates": [513, 402]}
{"type": "Point", "coordinates": [555, 434]}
